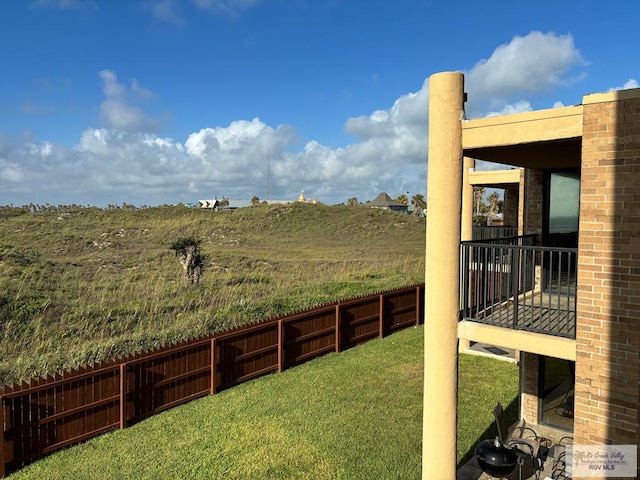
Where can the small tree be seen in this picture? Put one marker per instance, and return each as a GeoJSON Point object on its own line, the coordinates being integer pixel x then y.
{"type": "Point", "coordinates": [494, 199]}
{"type": "Point", "coordinates": [224, 202]}
{"type": "Point", "coordinates": [255, 201]}
{"type": "Point", "coordinates": [478, 195]}
{"type": "Point", "coordinates": [352, 202]}
{"type": "Point", "coordinates": [192, 260]}
{"type": "Point", "coordinates": [419, 204]}
{"type": "Point", "coordinates": [480, 209]}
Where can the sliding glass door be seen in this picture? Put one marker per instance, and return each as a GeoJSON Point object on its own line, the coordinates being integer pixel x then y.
{"type": "Point", "coordinates": [562, 209]}
{"type": "Point", "coordinates": [560, 229]}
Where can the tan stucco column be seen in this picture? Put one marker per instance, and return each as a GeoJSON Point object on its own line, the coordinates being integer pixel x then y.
{"type": "Point", "coordinates": [442, 292]}
{"type": "Point", "coordinates": [466, 228]}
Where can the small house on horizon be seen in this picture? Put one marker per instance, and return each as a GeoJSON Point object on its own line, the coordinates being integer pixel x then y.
{"type": "Point", "coordinates": [385, 202]}
{"type": "Point", "coordinates": [223, 204]}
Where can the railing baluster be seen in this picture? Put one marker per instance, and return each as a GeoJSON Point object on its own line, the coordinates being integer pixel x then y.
{"type": "Point", "coordinates": [560, 284]}
{"type": "Point", "coordinates": [502, 272]}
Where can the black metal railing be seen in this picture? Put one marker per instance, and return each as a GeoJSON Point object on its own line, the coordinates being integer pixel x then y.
{"type": "Point", "coordinates": [510, 283]}
{"type": "Point", "coordinates": [489, 233]}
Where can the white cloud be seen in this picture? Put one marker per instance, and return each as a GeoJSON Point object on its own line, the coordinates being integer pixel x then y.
{"type": "Point", "coordinates": [241, 137]}
{"type": "Point", "coordinates": [167, 11]}
{"type": "Point", "coordinates": [225, 6]}
{"type": "Point", "coordinates": [10, 172]}
{"type": "Point", "coordinates": [64, 4]}
{"type": "Point", "coordinates": [402, 128]}
{"type": "Point", "coordinates": [110, 85]}
{"type": "Point", "coordinates": [535, 63]}
{"type": "Point", "coordinates": [631, 83]}
{"type": "Point", "coordinates": [518, 107]}
{"type": "Point", "coordinates": [30, 107]}
{"type": "Point", "coordinates": [139, 90]}
{"type": "Point", "coordinates": [118, 109]}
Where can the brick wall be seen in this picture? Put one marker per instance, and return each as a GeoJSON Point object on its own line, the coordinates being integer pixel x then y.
{"type": "Point", "coordinates": [608, 319]}
{"type": "Point", "coordinates": [533, 204]}
{"type": "Point", "coordinates": [529, 364]}
{"type": "Point", "coordinates": [511, 206]}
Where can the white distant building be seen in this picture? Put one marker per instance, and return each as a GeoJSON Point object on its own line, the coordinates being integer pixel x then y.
{"type": "Point", "coordinates": [215, 204]}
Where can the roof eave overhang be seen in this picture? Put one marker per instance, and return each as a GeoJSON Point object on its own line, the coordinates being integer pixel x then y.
{"type": "Point", "coordinates": [540, 139]}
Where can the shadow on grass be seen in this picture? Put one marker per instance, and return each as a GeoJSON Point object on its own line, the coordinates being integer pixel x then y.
{"type": "Point", "coordinates": [511, 416]}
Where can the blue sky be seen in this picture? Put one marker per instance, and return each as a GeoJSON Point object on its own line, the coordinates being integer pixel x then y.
{"type": "Point", "coordinates": [164, 101]}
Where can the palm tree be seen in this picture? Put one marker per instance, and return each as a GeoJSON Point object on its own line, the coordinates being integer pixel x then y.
{"type": "Point", "coordinates": [418, 199]}
{"type": "Point", "coordinates": [419, 203]}
{"type": "Point", "coordinates": [188, 252]}
{"type": "Point", "coordinates": [402, 199]}
{"type": "Point", "coordinates": [255, 201]}
{"type": "Point", "coordinates": [478, 194]}
{"type": "Point", "coordinates": [352, 202]}
{"type": "Point", "coordinates": [479, 215]}
{"type": "Point", "coordinates": [493, 198]}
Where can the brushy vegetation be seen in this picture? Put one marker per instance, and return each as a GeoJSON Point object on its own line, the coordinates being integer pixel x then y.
{"type": "Point", "coordinates": [80, 284]}
{"type": "Point", "coordinates": [353, 415]}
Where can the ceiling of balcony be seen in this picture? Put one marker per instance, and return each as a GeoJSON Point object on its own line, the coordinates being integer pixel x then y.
{"type": "Point", "coordinates": [564, 153]}
{"type": "Point", "coordinates": [549, 138]}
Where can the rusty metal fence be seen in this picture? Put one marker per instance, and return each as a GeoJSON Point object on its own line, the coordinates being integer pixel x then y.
{"type": "Point", "coordinates": [54, 412]}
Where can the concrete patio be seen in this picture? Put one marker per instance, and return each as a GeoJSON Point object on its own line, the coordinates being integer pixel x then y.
{"type": "Point", "coordinates": [554, 467]}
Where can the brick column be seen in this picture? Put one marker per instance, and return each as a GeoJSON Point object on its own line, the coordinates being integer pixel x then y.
{"type": "Point", "coordinates": [511, 206]}
{"type": "Point", "coordinates": [529, 377]}
{"type": "Point", "coordinates": [532, 214]}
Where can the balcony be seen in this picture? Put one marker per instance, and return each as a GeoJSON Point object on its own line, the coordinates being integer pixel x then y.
{"type": "Point", "coordinates": [510, 283]}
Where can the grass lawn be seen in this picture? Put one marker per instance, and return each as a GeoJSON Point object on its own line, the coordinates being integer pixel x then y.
{"type": "Point", "coordinates": [353, 415]}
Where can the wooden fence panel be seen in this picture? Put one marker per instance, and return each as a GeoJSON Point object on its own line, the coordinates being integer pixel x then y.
{"type": "Point", "coordinates": [399, 309]}
{"type": "Point", "coordinates": [308, 335]}
{"type": "Point", "coordinates": [3, 456]}
{"type": "Point", "coordinates": [168, 377]}
{"type": "Point", "coordinates": [420, 305]}
{"type": "Point", "coordinates": [359, 321]}
{"type": "Point", "coordinates": [54, 412]}
{"type": "Point", "coordinates": [245, 354]}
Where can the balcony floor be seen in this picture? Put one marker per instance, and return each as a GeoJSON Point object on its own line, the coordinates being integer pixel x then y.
{"type": "Point", "coordinates": [538, 312]}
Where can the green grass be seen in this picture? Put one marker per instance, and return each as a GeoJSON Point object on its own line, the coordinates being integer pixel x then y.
{"type": "Point", "coordinates": [353, 415]}
{"type": "Point", "coordinates": [483, 382]}
{"type": "Point", "coordinates": [80, 285]}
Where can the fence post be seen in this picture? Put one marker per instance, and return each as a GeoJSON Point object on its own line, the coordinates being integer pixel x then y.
{"type": "Point", "coordinates": [338, 327]}
{"type": "Point", "coordinates": [2, 472]}
{"type": "Point", "coordinates": [123, 395]}
{"type": "Point", "coordinates": [381, 315]}
{"type": "Point", "coordinates": [280, 346]}
{"type": "Point", "coordinates": [417, 306]}
{"type": "Point", "coordinates": [213, 366]}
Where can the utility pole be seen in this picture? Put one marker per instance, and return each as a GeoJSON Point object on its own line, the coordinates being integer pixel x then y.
{"type": "Point", "coordinates": [268, 178]}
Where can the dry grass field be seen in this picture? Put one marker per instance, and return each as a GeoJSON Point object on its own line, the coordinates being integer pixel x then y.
{"type": "Point", "coordinates": [79, 285]}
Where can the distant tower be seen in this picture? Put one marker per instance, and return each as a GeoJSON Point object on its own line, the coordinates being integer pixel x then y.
{"type": "Point", "coordinates": [301, 197]}
{"type": "Point", "coordinates": [268, 178]}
